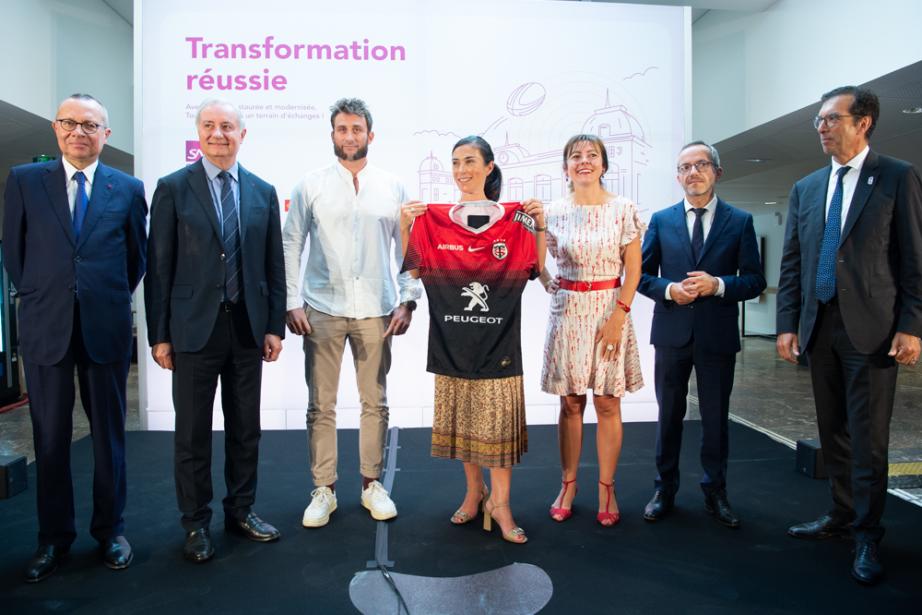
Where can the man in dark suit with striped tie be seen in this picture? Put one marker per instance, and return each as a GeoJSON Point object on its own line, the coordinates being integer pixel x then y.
{"type": "Point", "coordinates": [74, 242]}
{"type": "Point", "coordinates": [215, 299]}
{"type": "Point", "coordinates": [850, 297]}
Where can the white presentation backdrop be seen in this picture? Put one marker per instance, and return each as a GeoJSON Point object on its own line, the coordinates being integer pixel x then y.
{"type": "Point", "coordinates": [524, 75]}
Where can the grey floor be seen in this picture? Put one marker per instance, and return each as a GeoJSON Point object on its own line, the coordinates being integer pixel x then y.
{"type": "Point", "coordinates": [769, 395]}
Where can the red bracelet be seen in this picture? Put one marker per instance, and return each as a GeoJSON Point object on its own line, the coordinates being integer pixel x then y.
{"type": "Point", "coordinates": [624, 306]}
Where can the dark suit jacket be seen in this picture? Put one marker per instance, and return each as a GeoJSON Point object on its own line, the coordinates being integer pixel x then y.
{"type": "Point", "coordinates": [185, 281]}
{"type": "Point", "coordinates": [730, 253]}
{"type": "Point", "coordinates": [879, 268]}
{"type": "Point", "coordinates": [50, 269]}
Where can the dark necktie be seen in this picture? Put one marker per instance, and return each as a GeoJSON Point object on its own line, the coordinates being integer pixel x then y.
{"type": "Point", "coordinates": [698, 233]}
{"type": "Point", "coordinates": [80, 203]}
{"type": "Point", "coordinates": [231, 239]}
{"type": "Point", "coordinates": [826, 268]}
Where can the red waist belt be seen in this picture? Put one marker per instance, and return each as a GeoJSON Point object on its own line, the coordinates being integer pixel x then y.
{"type": "Point", "coordinates": [582, 287]}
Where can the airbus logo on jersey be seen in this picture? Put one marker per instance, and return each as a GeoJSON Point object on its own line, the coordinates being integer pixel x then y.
{"type": "Point", "coordinates": [477, 294]}
{"type": "Point", "coordinates": [450, 246]}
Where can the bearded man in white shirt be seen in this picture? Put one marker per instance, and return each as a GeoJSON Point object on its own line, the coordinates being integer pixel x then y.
{"type": "Point", "coordinates": [349, 211]}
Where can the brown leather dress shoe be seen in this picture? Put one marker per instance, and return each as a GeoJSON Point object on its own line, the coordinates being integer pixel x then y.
{"type": "Point", "coordinates": [116, 553]}
{"type": "Point", "coordinates": [44, 562]}
{"type": "Point", "coordinates": [253, 528]}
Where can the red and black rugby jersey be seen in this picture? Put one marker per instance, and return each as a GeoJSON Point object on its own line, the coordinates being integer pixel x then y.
{"type": "Point", "coordinates": [474, 278]}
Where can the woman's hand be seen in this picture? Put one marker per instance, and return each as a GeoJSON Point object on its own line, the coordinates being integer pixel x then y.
{"type": "Point", "coordinates": [409, 212]}
{"type": "Point", "coordinates": [608, 338]}
{"type": "Point", "coordinates": [552, 285]}
{"type": "Point", "coordinates": [535, 209]}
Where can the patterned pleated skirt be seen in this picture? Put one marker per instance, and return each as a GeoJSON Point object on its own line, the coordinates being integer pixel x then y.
{"type": "Point", "coordinates": [480, 421]}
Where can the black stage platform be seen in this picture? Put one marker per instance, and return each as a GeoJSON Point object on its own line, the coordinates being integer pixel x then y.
{"type": "Point", "coordinates": [684, 564]}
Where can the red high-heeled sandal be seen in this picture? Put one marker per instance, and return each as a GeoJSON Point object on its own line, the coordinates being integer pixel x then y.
{"type": "Point", "coordinates": [608, 519]}
{"type": "Point", "coordinates": [562, 514]}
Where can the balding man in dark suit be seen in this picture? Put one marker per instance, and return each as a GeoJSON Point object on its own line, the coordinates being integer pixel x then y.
{"type": "Point", "coordinates": [215, 298]}
{"type": "Point", "coordinates": [74, 244]}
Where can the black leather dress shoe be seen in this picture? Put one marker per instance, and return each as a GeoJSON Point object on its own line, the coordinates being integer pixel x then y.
{"type": "Point", "coordinates": [866, 569]}
{"type": "Point", "coordinates": [198, 547]}
{"type": "Point", "coordinates": [253, 528]}
{"type": "Point", "coordinates": [658, 506]}
{"type": "Point", "coordinates": [44, 562]}
{"type": "Point", "coordinates": [117, 553]}
{"type": "Point", "coordinates": [822, 528]}
{"type": "Point", "coordinates": [716, 503]}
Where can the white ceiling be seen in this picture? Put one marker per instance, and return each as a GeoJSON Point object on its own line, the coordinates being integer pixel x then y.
{"type": "Point", "coordinates": [791, 147]}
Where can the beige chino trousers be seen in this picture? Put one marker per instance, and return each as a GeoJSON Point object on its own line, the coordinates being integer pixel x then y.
{"type": "Point", "coordinates": [323, 356]}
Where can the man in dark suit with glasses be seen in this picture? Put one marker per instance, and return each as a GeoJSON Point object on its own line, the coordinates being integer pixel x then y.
{"type": "Point", "coordinates": [850, 297]}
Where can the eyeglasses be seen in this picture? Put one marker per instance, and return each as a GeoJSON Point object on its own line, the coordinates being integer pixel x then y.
{"type": "Point", "coordinates": [71, 125]}
{"type": "Point", "coordinates": [701, 165]}
{"type": "Point", "coordinates": [830, 120]}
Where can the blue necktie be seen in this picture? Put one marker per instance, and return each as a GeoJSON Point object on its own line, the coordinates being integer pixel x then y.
{"type": "Point", "coordinates": [826, 268]}
{"type": "Point", "coordinates": [698, 233]}
{"type": "Point", "coordinates": [80, 203]}
{"type": "Point", "coordinates": [231, 239]}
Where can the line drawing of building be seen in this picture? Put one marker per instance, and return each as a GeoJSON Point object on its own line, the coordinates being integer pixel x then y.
{"type": "Point", "coordinates": [541, 175]}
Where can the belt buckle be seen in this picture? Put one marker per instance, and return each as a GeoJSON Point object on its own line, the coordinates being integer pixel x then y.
{"type": "Point", "coordinates": [589, 286]}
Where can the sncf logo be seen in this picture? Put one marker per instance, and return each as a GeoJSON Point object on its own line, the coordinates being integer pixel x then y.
{"type": "Point", "coordinates": [193, 151]}
{"type": "Point", "coordinates": [477, 293]}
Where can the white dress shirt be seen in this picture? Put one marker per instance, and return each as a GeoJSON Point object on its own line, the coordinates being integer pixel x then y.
{"type": "Point", "coordinates": [707, 221]}
{"type": "Point", "coordinates": [352, 240]}
{"type": "Point", "coordinates": [89, 172]}
{"type": "Point", "coordinates": [849, 181]}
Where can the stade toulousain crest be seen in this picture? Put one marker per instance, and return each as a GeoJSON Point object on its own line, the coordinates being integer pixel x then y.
{"type": "Point", "coordinates": [500, 251]}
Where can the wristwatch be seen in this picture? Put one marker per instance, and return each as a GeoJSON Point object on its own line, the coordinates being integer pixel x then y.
{"type": "Point", "coordinates": [410, 305]}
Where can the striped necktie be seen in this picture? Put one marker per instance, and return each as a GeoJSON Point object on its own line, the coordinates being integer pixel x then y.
{"type": "Point", "coordinates": [231, 239]}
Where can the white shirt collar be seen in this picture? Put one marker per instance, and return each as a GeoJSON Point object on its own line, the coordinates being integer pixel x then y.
{"type": "Point", "coordinates": [710, 206]}
{"type": "Point", "coordinates": [89, 171]}
{"type": "Point", "coordinates": [855, 163]}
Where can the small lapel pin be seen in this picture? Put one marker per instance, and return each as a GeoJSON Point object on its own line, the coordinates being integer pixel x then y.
{"type": "Point", "coordinates": [871, 181]}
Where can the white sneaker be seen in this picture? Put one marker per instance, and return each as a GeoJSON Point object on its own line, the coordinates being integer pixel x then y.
{"type": "Point", "coordinates": [323, 503]}
{"type": "Point", "coordinates": [378, 502]}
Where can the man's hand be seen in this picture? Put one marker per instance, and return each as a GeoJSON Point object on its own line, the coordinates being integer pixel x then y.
{"type": "Point", "coordinates": [787, 347]}
{"type": "Point", "coordinates": [905, 348]}
{"type": "Point", "coordinates": [701, 283]}
{"type": "Point", "coordinates": [680, 294]}
{"type": "Point", "coordinates": [400, 321]}
{"type": "Point", "coordinates": [163, 355]}
{"type": "Point", "coordinates": [296, 320]}
{"type": "Point", "coordinates": [272, 347]}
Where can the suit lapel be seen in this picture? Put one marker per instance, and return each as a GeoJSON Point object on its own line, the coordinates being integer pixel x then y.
{"type": "Point", "coordinates": [863, 189]}
{"type": "Point", "coordinates": [680, 226]}
{"type": "Point", "coordinates": [198, 182]}
{"type": "Point", "coordinates": [816, 197]}
{"type": "Point", "coordinates": [55, 182]}
{"type": "Point", "coordinates": [99, 201]}
{"type": "Point", "coordinates": [246, 190]}
{"type": "Point", "coordinates": [721, 217]}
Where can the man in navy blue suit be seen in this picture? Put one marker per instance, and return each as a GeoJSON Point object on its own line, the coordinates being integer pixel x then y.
{"type": "Point", "coordinates": [700, 260]}
{"type": "Point", "coordinates": [74, 244]}
{"type": "Point", "coordinates": [851, 285]}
